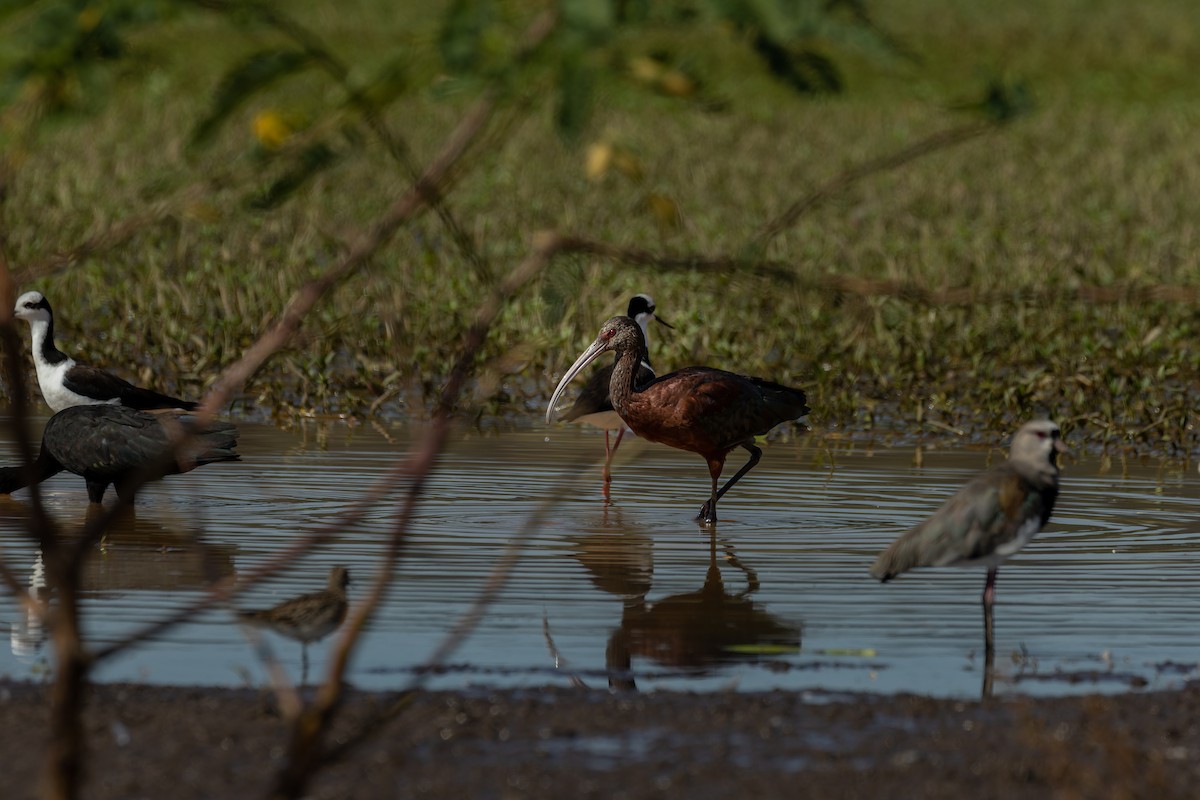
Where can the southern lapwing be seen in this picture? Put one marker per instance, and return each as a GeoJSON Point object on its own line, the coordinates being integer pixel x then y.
{"type": "Point", "coordinates": [990, 518]}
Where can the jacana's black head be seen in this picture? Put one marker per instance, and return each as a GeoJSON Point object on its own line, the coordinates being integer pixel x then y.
{"type": "Point", "coordinates": [642, 310]}
{"type": "Point", "coordinates": [640, 304]}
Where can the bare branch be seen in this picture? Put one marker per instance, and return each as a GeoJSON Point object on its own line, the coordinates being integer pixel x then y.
{"type": "Point", "coordinates": [939, 140]}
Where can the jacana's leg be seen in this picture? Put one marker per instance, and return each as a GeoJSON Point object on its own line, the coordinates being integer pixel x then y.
{"type": "Point", "coordinates": [755, 455]}
{"type": "Point", "coordinates": [989, 655]}
{"type": "Point", "coordinates": [989, 589]}
{"type": "Point", "coordinates": [708, 511]}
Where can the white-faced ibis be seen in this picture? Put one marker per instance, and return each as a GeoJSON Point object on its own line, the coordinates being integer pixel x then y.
{"type": "Point", "coordinates": [65, 383]}
{"type": "Point", "coordinates": [593, 405]}
{"type": "Point", "coordinates": [700, 409]}
{"type": "Point", "coordinates": [308, 617]}
{"type": "Point", "coordinates": [113, 445]}
{"type": "Point", "coordinates": [990, 518]}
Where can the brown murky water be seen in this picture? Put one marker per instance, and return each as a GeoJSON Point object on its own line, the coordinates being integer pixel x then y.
{"type": "Point", "coordinates": [634, 592]}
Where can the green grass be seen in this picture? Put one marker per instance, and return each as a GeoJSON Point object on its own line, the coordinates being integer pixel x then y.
{"type": "Point", "coordinates": [1096, 188]}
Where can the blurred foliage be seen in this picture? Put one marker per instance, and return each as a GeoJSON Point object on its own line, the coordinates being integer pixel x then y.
{"type": "Point", "coordinates": [56, 47]}
{"type": "Point", "coordinates": [65, 41]}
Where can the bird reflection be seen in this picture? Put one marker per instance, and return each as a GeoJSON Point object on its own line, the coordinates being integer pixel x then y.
{"type": "Point", "coordinates": [137, 554]}
{"type": "Point", "coordinates": [308, 617]}
{"type": "Point", "coordinates": [619, 561]}
{"type": "Point", "coordinates": [28, 633]}
{"type": "Point", "coordinates": [694, 630]}
{"type": "Point", "coordinates": [989, 651]}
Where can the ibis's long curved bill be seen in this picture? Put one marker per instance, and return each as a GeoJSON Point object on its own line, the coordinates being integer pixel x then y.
{"type": "Point", "coordinates": [589, 355]}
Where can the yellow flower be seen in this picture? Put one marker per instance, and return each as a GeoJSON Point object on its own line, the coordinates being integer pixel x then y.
{"type": "Point", "coordinates": [271, 129]}
{"type": "Point", "coordinates": [599, 157]}
{"type": "Point", "coordinates": [89, 18]}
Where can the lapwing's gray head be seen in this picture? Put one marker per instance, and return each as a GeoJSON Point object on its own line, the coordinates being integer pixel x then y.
{"type": "Point", "coordinates": [641, 310]}
{"type": "Point", "coordinates": [1037, 445]}
{"type": "Point", "coordinates": [32, 306]}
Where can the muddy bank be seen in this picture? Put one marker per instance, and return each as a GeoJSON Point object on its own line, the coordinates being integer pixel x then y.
{"type": "Point", "coordinates": [190, 743]}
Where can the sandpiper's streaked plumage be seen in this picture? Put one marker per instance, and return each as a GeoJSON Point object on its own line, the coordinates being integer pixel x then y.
{"type": "Point", "coordinates": [65, 383]}
{"type": "Point", "coordinates": [308, 617]}
{"type": "Point", "coordinates": [113, 445]}
{"type": "Point", "coordinates": [990, 518]}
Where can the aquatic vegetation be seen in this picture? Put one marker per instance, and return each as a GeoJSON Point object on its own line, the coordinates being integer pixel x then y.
{"type": "Point", "coordinates": [1048, 264]}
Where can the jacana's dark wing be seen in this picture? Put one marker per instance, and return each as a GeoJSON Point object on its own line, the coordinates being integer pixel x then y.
{"type": "Point", "coordinates": [114, 440]}
{"type": "Point", "coordinates": [94, 382]}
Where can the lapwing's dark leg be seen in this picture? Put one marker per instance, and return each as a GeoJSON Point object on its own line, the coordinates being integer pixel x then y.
{"type": "Point", "coordinates": [303, 664]}
{"type": "Point", "coordinates": [989, 650]}
{"type": "Point", "coordinates": [989, 589]}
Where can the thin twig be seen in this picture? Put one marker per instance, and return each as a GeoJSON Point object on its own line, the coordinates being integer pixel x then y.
{"type": "Point", "coordinates": [939, 140]}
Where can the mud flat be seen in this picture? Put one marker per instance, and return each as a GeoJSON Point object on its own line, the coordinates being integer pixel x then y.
{"type": "Point", "coordinates": [158, 742]}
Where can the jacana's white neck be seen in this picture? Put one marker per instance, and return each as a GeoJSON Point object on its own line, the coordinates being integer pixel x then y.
{"type": "Point", "coordinates": [42, 334]}
{"type": "Point", "coordinates": [643, 321]}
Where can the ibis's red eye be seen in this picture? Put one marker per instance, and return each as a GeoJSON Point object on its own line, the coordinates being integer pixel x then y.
{"type": "Point", "coordinates": [608, 334]}
{"type": "Point", "coordinates": [1041, 434]}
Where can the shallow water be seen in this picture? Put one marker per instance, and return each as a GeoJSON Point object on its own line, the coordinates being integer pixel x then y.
{"type": "Point", "coordinates": [635, 591]}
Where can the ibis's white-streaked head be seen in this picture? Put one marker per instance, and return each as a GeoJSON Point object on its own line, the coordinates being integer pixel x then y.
{"type": "Point", "coordinates": [618, 334]}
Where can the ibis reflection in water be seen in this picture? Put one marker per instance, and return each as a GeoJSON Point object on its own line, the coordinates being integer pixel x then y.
{"type": "Point", "coordinates": [699, 409]}
{"type": "Point", "coordinates": [594, 407]}
{"type": "Point", "coordinates": [693, 630]}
